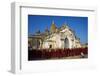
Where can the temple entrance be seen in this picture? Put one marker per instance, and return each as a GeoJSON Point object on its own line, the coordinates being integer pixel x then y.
{"type": "Point", "coordinates": [50, 46]}
{"type": "Point", "coordinates": [66, 43]}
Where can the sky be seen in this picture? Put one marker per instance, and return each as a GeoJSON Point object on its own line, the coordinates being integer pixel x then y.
{"type": "Point", "coordinates": [78, 24]}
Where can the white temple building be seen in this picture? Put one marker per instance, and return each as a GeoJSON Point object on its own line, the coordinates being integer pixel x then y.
{"type": "Point", "coordinates": [53, 38]}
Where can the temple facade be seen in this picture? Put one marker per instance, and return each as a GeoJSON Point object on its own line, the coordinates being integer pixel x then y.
{"type": "Point", "coordinates": [54, 37]}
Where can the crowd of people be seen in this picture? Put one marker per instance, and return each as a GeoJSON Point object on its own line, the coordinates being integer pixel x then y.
{"type": "Point", "coordinates": [39, 54]}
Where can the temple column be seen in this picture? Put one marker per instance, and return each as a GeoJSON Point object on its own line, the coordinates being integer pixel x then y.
{"type": "Point", "coordinates": [62, 43]}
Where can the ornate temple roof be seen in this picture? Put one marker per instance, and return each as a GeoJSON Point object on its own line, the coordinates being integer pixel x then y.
{"type": "Point", "coordinates": [53, 29]}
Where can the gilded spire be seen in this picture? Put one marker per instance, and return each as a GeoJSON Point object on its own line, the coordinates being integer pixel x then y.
{"type": "Point", "coordinates": [53, 27]}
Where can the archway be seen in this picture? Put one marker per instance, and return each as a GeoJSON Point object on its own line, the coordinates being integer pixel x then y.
{"type": "Point", "coordinates": [50, 46]}
{"type": "Point", "coordinates": [66, 43]}
{"type": "Point", "coordinates": [37, 44]}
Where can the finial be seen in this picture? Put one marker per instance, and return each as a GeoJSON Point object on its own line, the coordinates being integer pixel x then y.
{"type": "Point", "coordinates": [53, 22]}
